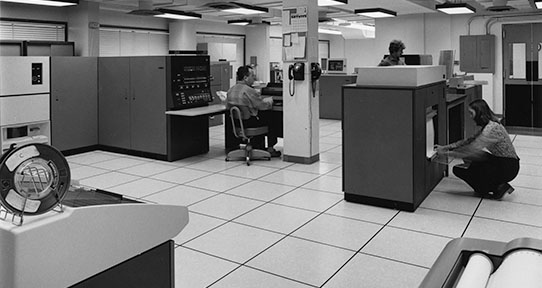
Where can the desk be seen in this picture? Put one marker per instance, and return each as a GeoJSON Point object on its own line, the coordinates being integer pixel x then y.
{"type": "Point", "coordinates": [190, 131]}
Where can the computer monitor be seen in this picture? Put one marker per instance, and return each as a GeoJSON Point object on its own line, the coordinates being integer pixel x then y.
{"type": "Point", "coordinates": [336, 65]}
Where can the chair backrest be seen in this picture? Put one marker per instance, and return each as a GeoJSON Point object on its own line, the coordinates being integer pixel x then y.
{"type": "Point", "coordinates": [236, 117]}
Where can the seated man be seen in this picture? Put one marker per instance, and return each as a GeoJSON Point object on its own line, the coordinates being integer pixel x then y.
{"type": "Point", "coordinates": [242, 93]}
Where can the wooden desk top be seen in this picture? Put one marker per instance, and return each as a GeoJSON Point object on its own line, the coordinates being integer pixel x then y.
{"type": "Point", "coordinates": [199, 111]}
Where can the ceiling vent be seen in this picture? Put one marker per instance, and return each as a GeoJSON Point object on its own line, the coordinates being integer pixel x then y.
{"type": "Point", "coordinates": [145, 9]}
{"type": "Point", "coordinates": [500, 6]}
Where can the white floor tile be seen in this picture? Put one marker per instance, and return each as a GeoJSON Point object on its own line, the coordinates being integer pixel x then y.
{"type": "Point", "coordinates": [363, 212]}
{"type": "Point", "coordinates": [414, 248]}
{"type": "Point", "coordinates": [338, 231]}
{"type": "Point", "coordinates": [530, 159]}
{"type": "Point", "coordinates": [326, 183]}
{"type": "Point", "coordinates": [90, 158]}
{"type": "Point", "coordinates": [274, 163]}
{"type": "Point", "coordinates": [147, 169]}
{"type": "Point", "coordinates": [292, 178]}
{"type": "Point", "coordinates": [246, 277]}
{"type": "Point", "coordinates": [276, 218]}
{"type": "Point", "coordinates": [525, 196]}
{"type": "Point", "coordinates": [512, 212]}
{"type": "Point", "coordinates": [212, 165]}
{"type": "Point", "coordinates": [432, 221]}
{"type": "Point", "coordinates": [218, 182]}
{"type": "Point", "coordinates": [252, 171]}
{"type": "Point", "coordinates": [316, 167]}
{"type": "Point", "coordinates": [452, 202]}
{"type": "Point", "coordinates": [260, 190]}
{"type": "Point", "coordinates": [368, 271]}
{"type": "Point", "coordinates": [225, 206]}
{"type": "Point", "coordinates": [107, 180]}
{"type": "Point", "coordinates": [180, 195]}
{"type": "Point", "coordinates": [197, 225]}
{"type": "Point", "coordinates": [325, 147]}
{"type": "Point", "coordinates": [234, 242]}
{"type": "Point", "coordinates": [500, 231]}
{"type": "Point", "coordinates": [527, 181]}
{"type": "Point", "coordinates": [530, 169]}
{"type": "Point", "coordinates": [302, 260]}
{"type": "Point", "coordinates": [455, 185]}
{"type": "Point", "coordinates": [180, 175]}
{"type": "Point", "coordinates": [141, 187]}
{"type": "Point", "coordinates": [336, 173]}
{"type": "Point", "coordinates": [330, 157]}
{"type": "Point", "coordinates": [118, 163]}
{"type": "Point", "coordinates": [331, 140]}
{"type": "Point", "coordinates": [83, 172]}
{"type": "Point", "coordinates": [309, 199]}
{"type": "Point", "coordinates": [338, 149]}
{"type": "Point", "coordinates": [195, 269]}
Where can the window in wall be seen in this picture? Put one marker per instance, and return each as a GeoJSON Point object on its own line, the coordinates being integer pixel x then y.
{"type": "Point", "coordinates": [323, 50]}
{"type": "Point", "coordinates": [32, 31]}
{"type": "Point", "coordinates": [133, 42]}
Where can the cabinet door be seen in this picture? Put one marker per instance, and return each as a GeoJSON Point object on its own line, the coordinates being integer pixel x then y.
{"type": "Point", "coordinates": [148, 104]}
{"type": "Point", "coordinates": [113, 102]}
{"type": "Point", "coordinates": [74, 102]}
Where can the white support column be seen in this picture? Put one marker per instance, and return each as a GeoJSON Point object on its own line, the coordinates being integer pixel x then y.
{"type": "Point", "coordinates": [182, 35]}
{"type": "Point", "coordinates": [301, 113]}
{"type": "Point", "coordinates": [83, 28]}
{"type": "Point", "coordinates": [258, 42]}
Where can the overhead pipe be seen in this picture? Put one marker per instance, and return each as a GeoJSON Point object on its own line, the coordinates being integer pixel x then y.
{"type": "Point", "coordinates": [496, 18]}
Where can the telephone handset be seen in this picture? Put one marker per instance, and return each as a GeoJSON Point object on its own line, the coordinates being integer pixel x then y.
{"type": "Point", "coordinates": [296, 71]}
{"type": "Point", "coordinates": [316, 71]}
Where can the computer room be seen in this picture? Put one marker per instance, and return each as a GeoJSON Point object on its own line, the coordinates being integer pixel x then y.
{"type": "Point", "coordinates": [408, 143]}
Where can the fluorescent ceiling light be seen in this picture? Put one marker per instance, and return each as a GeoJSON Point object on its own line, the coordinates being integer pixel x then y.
{"type": "Point", "coordinates": [329, 31]}
{"type": "Point", "coordinates": [242, 22]}
{"type": "Point", "coordinates": [175, 14]}
{"type": "Point", "coordinates": [376, 13]}
{"type": "Point", "coordinates": [538, 4]}
{"type": "Point", "coordinates": [245, 9]}
{"type": "Point", "coordinates": [455, 8]}
{"type": "Point", "coordinates": [332, 2]}
{"type": "Point", "coordinates": [56, 3]}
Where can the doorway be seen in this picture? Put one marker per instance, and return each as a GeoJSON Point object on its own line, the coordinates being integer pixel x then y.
{"type": "Point", "coordinates": [522, 77]}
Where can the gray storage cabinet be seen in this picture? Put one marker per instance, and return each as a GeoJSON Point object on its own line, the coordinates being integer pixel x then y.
{"type": "Point", "coordinates": [330, 94]}
{"type": "Point", "coordinates": [132, 103]}
{"type": "Point", "coordinates": [384, 144]}
{"type": "Point", "coordinates": [74, 102]}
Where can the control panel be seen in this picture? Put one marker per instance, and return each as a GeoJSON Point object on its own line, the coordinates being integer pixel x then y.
{"type": "Point", "coordinates": [190, 82]}
{"type": "Point", "coordinates": [37, 73]}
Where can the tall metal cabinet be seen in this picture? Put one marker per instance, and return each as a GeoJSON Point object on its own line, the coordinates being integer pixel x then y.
{"type": "Point", "coordinates": [132, 103]}
{"type": "Point", "coordinates": [220, 72]}
{"type": "Point", "coordinates": [74, 102]}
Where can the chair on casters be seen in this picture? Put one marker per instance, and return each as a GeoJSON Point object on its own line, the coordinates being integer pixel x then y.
{"type": "Point", "coordinates": [246, 153]}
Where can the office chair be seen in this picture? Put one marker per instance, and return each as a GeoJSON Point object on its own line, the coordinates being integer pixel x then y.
{"type": "Point", "coordinates": [246, 153]}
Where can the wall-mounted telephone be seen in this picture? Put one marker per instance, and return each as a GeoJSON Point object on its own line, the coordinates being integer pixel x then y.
{"type": "Point", "coordinates": [296, 71]}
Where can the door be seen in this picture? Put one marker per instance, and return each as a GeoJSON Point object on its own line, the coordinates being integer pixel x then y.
{"type": "Point", "coordinates": [522, 79]}
{"type": "Point", "coordinates": [148, 104]}
{"type": "Point", "coordinates": [74, 102]}
{"type": "Point", "coordinates": [113, 101]}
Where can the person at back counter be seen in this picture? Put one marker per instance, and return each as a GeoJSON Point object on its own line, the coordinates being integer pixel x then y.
{"type": "Point", "coordinates": [243, 94]}
{"type": "Point", "coordinates": [396, 51]}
